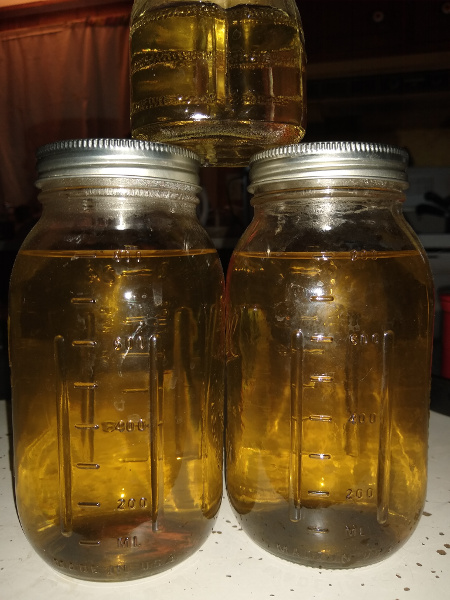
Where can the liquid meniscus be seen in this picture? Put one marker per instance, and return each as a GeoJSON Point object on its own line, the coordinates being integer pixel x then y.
{"type": "Point", "coordinates": [225, 83]}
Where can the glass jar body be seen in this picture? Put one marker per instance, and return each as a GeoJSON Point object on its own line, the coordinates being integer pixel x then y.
{"type": "Point", "coordinates": [116, 362]}
{"type": "Point", "coordinates": [223, 79]}
{"type": "Point", "coordinates": [329, 333]}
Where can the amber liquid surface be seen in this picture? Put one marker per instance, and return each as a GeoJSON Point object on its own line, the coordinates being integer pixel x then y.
{"type": "Point", "coordinates": [117, 406]}
{"type": "Point", "coordinates": [225, 83]}
{"type": "Point", "coordinates": [328, 362]}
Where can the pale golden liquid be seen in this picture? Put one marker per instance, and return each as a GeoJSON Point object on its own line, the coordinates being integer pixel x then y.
{"type": "Point", "coordinates": [328, 387]}
{"type": "Point", "coordinates": [225, 83]}
{"type": "Point", "coordinates": [117, 407]}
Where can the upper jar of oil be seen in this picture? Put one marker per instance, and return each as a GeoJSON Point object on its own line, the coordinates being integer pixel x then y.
{"type": "Point", "coordinates": [330, 312]}
{"type": "Point", "coordinates": [225, 79]}
{"type": "Point", "coordinates": [116, 362]}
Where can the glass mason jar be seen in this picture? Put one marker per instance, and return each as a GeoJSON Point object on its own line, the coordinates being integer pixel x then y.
{"type": "Point", "coordinates": [116, 351]}
{"type": "Point", "coordinates": [225, 79]}
{"type": "Point", "coordinates": [329, 336]}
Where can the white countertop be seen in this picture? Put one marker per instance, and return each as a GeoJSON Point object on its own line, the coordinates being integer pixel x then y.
{"type": "Point", "coordinates": [230, 566]}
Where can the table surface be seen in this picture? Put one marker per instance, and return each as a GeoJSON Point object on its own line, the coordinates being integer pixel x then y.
{"type": "Point", "coordinates": [230, 566]}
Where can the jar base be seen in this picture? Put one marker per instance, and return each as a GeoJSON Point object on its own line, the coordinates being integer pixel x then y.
{"type": "Point", "coordinates": [141, 553]}
{"type": "Point", "coordinates": [334, 537]}
{"type": "Point", "coordinates": [222, 143]}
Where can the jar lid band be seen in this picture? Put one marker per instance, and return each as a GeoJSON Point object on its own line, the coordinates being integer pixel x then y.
{"type": "Point", "coordinates": [288, 166]}
{"type": "Point", "coordinates": [115, 157]}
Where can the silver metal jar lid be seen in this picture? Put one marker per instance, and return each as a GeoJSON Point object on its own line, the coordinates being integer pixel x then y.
{"type": "Point", "coordinates": [116, 158]}
{"type": "Point", "coordinates": [287, 166]}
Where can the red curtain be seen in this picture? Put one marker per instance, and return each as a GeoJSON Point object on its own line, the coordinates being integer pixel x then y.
{"type": "Point", "coordinates": [58, 81]}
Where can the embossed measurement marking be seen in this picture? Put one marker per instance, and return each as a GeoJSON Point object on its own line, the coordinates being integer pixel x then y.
{"type": "Point", "coordinates": [321, 298]}
{"type": "Point", "coordinates": [84, 343]}
{"type": "Point", "coordinates": [140, 320]}
{"type": "Point", "coordinates": [88, 466]}
{"type": "Point", "coordinates": [319, 337]}
{"type": "Point", "coordinates": [84, 385]}
{"type": "Point", "coordinates": [316, 351]}
{"type": "Point", "coordinates": [320, 456]}
{"type": "Point", "coordinates": [318, 493]}
{"type": "Point", "coordinates": [322, 418]}
{"type": "Point", "coordinates": [82, 300]}
{"type": "Point", "coordinates": [90, 504]}
{"type": "Point", "coordinates": [89, 542]}
{"type": "Point", "coordinates": [323, 378]}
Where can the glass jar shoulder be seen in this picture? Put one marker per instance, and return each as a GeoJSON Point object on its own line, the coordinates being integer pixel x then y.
{"type": "Point", "coordinates": [110, 224]}
{"type": "Point", "coordinates": [320, 221]}
{"type": "Point", "coordinates": [302, 237]}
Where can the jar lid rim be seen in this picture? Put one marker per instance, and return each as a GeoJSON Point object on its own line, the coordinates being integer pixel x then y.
{"type": "Point", "coordinates": [317, 161]}
{"type": "Point", "coordinates": [356, 149]}
{"type": "Point", "coordinates": [116, 157]}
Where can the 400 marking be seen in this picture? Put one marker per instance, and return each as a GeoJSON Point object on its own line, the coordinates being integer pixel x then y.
{"type": "Point", "coordinates": [125, 426]}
